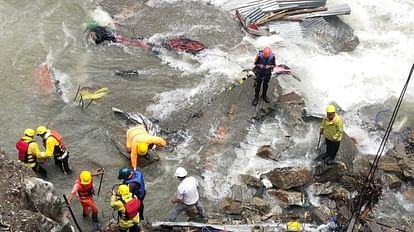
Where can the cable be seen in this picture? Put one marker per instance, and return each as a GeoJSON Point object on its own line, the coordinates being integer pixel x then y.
{"type": "Point", "coordinates": [374, 166]}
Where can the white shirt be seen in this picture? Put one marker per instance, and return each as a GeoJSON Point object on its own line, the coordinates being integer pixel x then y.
{"type": "Point", "coordinates": [187, 191]}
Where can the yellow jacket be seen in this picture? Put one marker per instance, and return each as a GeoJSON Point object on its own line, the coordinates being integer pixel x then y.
{"type": "Point", "coordinates": [52, 145]}
{"type": "Point", "coordinates": [117, 204]}
{"type": "Point", "coordinates": [333, 129]}
{"type": "Point", "coordinates": [32, 150]}
{"type": "Point", "coordinates": [139, 134]}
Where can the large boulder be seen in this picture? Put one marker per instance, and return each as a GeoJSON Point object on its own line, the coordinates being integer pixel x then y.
{"type": "Point", "coordinates": [286, 178]}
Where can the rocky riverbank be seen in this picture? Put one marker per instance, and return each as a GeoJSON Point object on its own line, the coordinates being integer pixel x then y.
{"type": "Point", "coordinates": [28, 203]}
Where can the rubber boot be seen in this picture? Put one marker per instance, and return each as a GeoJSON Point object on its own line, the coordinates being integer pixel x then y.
{"type": "Point", "coordinates": [265, 98]}
{"type": "Point", "coordinates": [255, 101]}
{"type": "Point", "coordinates": [95, 217]}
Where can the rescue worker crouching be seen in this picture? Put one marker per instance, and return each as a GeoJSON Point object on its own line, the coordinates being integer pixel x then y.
{"type": "Point", "coordinates": [138, 141]}
{"type": "Point", "coordinates": [128, 209]}
{"type": "Point", "coordinates": [85, 190]}
{"type": "Point", "coordinates": [29, 152]}
{"type": "Point", "coordinates": [54, 145]}
{"type": "Point", "coordinates": [136, 184]}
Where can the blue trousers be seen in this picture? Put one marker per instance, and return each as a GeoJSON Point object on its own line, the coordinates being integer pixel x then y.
{"type": "Point", "coordinates": [181, 207]}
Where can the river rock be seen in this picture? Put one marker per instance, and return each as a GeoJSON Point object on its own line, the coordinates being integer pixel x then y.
{"type": "Point", "coordinates": [241, 193]}
{"type": "Point", "coordinates": [391, 180]}
{"type": "Point", "coordinates": [322, 189]}
{"type": "Point", "coordinates": [287, 198]}
{"type": "Point", "coordinates": [230, 206]}
{"type": "Point", "coordinates": [286, 178]}
{"type": "Point", "coordinates": [407, 165]}
{"type": "Point", "coordinates": [251, 181]}
{"type": "Point", "coordinates": [267, 152]}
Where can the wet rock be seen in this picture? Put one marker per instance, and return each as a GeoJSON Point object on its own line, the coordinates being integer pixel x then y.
{"type": "Point", "coordinates": [333, 172]}
{"type": "Point", "coordinates": [388, 164]}
{"type": "Point", "coordinates": [267, 152]}
{"type": "Point", "coordinates": [322, 189]}
{"type": "Point", "coordinates": [391, 180]}
{"type": "Point", "coordinates": [259, 205]}
{"type": "Point", "coordinates": [361, 164]}
{"type": "Point", "coordinates": [407, 165]}
{"type": "Point", "coordinates": [286, 178]}
{"type": "Point", "coordinates": [230, 206]}
{"type": "Point", "coordinates": [287, 198]}
{"type": "Point", "coordinates": [241, 193]}
{"type": "Point", "coordinates": [251, 181]}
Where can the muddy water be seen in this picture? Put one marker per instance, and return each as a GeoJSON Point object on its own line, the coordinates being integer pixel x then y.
{"type": "Point", "coordinates": [52, 32]}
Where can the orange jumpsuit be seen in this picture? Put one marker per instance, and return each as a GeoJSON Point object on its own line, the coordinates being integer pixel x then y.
{"type": "Point", "coordinates": [139, 134]}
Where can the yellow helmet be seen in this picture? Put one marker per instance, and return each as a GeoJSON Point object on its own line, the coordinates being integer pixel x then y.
{"type": "Point", "coordinates": [330, 109]}
{"type": "Point", "coordinates": [85, 177]}
{"type": "Point", "coordinates": [142, 148]}
{"type": "Point", "coordinates": [29, 132]}
{"type": "Point", "coordinates": [123, 189]}
{"type": "Point", "coordinates": [41, 130]}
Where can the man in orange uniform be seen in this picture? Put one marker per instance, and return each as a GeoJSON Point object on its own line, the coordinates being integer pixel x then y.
{"type": "Point", "coordinates": [137, 142]}
{"type": "Point", "coordinates": [84, 189]}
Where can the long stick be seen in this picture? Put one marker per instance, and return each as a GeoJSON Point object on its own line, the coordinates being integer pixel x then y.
{"type": "Point", "coordinates": [100, 183]}
{"type": "Point", "coordinates": [319, 141]}
{"type": "Point", "coordinates": [71, 213]}
{"type": "Point", "coordinates": [77, 93]}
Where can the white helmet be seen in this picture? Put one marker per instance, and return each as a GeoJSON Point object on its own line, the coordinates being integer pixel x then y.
{"type": "Point", "coordinates": [180, 172]}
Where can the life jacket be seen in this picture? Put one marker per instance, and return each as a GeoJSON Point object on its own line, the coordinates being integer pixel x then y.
{"type": "Point", "coordinates": [265, 61]}
{"type": "Point", "coordinates": [60, 149]}
{"type": "Point", "coordinates": [22, 148]}
{"type": "Point", "coordinates": [85, 190]}
{"type": "Point", "coordinates": [131, 208]}
{"type": "Point", "coordinates": [138, 179]}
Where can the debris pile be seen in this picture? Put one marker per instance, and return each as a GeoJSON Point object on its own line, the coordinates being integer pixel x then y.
{"type": "Point", "coordinates": [270, 16]}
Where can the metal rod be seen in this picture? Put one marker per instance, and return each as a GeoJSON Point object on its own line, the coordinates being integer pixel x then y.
{"type": "Point", "coordinates": [100, 183]}
{"type": "Point", "coordinates": [319, 141]}
{"type": "Point", "coordinates": [77, 92]}
{"type": "Point", "coordinates": [71, 213]}
{"type": "Point", "coordinates": [89, 103]}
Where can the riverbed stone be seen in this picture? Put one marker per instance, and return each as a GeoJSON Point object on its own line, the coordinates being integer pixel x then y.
{"type": "Point", "coordinates": [286, 178]}
{"type": "Point", "coordinates": [287, 198]}
{"type": "Point", "coordinates": [251, 181]}
{"type": "Point", "coordinates": [267, 152]}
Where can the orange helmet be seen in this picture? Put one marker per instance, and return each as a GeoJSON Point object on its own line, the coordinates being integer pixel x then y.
{"type": "Point", "coordinates": [266, 52]}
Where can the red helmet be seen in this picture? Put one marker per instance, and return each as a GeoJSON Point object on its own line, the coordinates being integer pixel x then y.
{"type": "Point", "coordinates": [266, 52]}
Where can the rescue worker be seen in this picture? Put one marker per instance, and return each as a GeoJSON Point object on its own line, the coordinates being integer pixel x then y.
{"type": "Point", "coordinates": [54, 145]}
{"type": "Point", "coordinates": [137, 142]}
{"type": "Point", "coordinates": [136, 184]}
{"type": "Point", "coordinates": [187, 195]}
{"type": "Point", "coordinates": [85, 190]}
{"type": "Point", "coordinates": [264, 64]}
{"type": "Point", "coordinates": [127, 206]}
{"type": "Point", "coordinates": [332, 129]}
{"type": "Point", "coordinates": [29, 152]}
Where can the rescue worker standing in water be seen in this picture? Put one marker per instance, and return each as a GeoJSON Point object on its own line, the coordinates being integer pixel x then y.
{"type": "Point", "coordinates": [54, 145]}
{"type": "Point", "coordinates": [332, 128]}
{"type": "Point", "coordinates": [85, 190]}
{"type": "Point", "coordinates": [127, 206]}
{"type": "Point", "coordinates": [264, 64]}
{"type": "Point", "coordinates": [136, 184]}
{"type": "Point", "coordinates": [137, 142]}
{"type": "Point", "coordinates": [29, 152]}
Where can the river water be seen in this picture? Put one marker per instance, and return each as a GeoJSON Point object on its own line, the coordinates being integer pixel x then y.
{"type": "Point", "coordinates": [52, 32]}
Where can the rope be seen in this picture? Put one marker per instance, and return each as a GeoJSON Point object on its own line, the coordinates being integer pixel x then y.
{"type": "Point", "coordinates": [374, 166]}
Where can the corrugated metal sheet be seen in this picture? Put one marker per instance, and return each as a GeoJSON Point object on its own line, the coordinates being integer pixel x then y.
{"type": "Point", "coordinates": [286, 29]}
